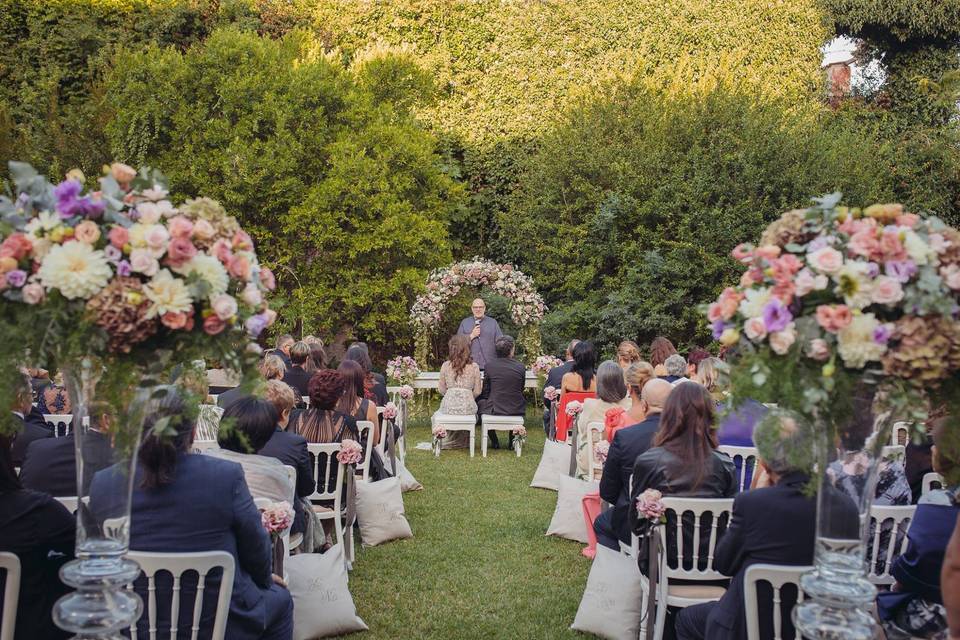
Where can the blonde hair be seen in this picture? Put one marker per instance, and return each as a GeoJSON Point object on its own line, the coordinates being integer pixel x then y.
{"type": "Point", "coordinates": [280, 395]}
{"type": "Point", "coordinates": [272, 367]}
{"type": "Point", "coordinates": [712, 373]}
{"type": "Point", "coordinates": [638, 375]}
{"type": "Point", "coordinates": [628, 352]}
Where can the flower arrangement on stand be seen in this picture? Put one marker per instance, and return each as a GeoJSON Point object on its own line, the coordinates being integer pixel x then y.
{"type": "Point", "coordinates": [842, 311]}
{"type": "Point", "coordinates": [439, 433]}
{"type": "Point", "coordinates": [443, 285]}
{"type": "Point", "coordinates": [551, 393]}
{"type": "Point", "coordinates": [277, 518]}
{"type": "Point", "coordinates": [113, 286]}
{"type": "Point", "coordinates": [542, 365]}
{"type": "Point", "coordinates": [403, 370]}
{"type": "Point", "coordinates": [519, 439]}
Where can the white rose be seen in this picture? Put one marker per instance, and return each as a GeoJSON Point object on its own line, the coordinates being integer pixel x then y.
{"type": "Point", "coordinates": [755, 329]}
{"type": "Point", "coordinates": [918, 250]}
{"type": "Point", "coordinates": [781, 341]}
{"type": "Point", "coordinates": [149, 213]}
{"type": "Point", "coordinates": [142, 261]}
{"type": "Point", "coordinates": [251, 295]}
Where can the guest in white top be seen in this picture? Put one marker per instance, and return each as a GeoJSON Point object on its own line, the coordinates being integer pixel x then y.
{"type": "Point", "coordinates": [247, 425]}
{"type": "Point", "coordinates": [611, 393]}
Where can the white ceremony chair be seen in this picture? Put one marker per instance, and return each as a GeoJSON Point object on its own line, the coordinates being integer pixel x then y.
{"type": "Point", "coordinates": [10, 565]}
{"type": "Point", "coordinates": [594, 466]}
{"type": "Point", "coordinates": [748, 460]}
{"type": "Point", "coordinates": [778, 577]}
{"type": "Point", "coordinates": [201, 446]}
{"type": "Point", "coordinates": [177, 564]}
{"type": "Point", "coordinates": [928, 482]}
{"type": "Point", "coordinates": [70, 502]}
{"type": "Point", "coordinates": [61, 423]}
{"type": "Point", "coordinates": [365, 428]}
{"type": "Point", "coordinates": [900, 430]}
{"type": "Point", "coordinates": [686, 595]}
{"type": "Point", "coordinates": [457, 423]}
{"type": "Point", "coordinates": [322, 491]}
{"type": "Point", "coordinates": [490, 423]}
{"type": "Point", "coordinates": [896, 543]}
{"type": "Point", "coordinates": [305, 400]}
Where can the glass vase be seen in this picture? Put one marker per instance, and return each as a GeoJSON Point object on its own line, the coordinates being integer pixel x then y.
{"type": "Point", "coordinates": [840, 596]}
{"type": "Point", "coordinates": [104, 435]}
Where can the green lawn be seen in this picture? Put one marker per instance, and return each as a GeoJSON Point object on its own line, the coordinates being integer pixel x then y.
{"type": "Point", "coordinates": [479, 565]}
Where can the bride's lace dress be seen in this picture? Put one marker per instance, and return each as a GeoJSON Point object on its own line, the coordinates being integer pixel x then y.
{"type": "Point", "coordinates": [459, 398]}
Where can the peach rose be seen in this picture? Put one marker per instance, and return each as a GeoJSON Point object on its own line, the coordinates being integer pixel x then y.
{"type": "Point", "coordinates": [768, 251]}
{"type": "Point", "coordinates": [122, 173]}
{"type": "Point", "coordinates": [781, 341]}
{"type": "Point", "coordinates": [239, 267]}
{"type": "Point", "coordinates": [7, 264]}
{"type": "Point", "coordinates": [818, 349]}
{"type": "Point", "coordinates": [156, 236]}
{"type": "Point", "coordinates": [87, 232]}
{"type": "Point", "coordinates": [743, 253]}
{"type": "Point", "coordinates": [203, 230]}
{"type": "Point", "coordinates": [242, 241]}
{"type": "Point", "coordinates": [755, 329]}
{"type": "Point", "coordinates": [174, 320]}
{"type": "Point", "coordinates": [833, 318]}
{"type": "Point", "coordinates": [909, 220]}
{"type": "Point", "coordinates": [213, 325]}
{"type": "Point", "coordinates": [149, 213]}
{"type": "Point", "coordinates": [32, 293]}
{"type": "Point", "coordinates": [16, 246]}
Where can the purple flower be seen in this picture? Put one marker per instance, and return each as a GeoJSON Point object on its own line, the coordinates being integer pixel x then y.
{"type": "Point", "coordinates": [881, 335]}
{"type": "Point", "coordinates": [901, 270]}
{"type": "Point", "coordinates": [256, 324]}
{"type": "Point", "coordinates": [873, 269]}
{"type": "Point", "coordinates": [16, 278]}
{"type": "Point", "coordinates": [123, 268]}
{"type": "Point", "coordinates": [718, 326]}
{"type": "Point", "coordinates": [817, 244]}
{"type": "Point", "coordinates": [113, 254]}
{"type": "Point", "coordinates": [22, 201]}
{"type": "Point", "coordinates": [776, 317]}
{"type": "Point", "coordinates": [67, 190]}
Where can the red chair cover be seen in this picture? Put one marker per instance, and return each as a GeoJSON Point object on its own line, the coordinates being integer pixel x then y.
{"type": "Point", "coordinates": [563, 420]}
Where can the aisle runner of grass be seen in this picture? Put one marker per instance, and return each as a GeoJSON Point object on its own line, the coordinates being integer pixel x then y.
{"type": "Point", "coordinates": [478, 565]}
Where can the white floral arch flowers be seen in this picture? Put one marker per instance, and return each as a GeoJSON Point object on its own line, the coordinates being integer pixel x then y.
{"type": "Point", "coordinates": [526, 308]}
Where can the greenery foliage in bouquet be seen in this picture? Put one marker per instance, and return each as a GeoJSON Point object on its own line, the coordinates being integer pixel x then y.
{"type": "Point", "coordinates": [836, 297]}
{"type": "Point", "coordinates": [122, 284]}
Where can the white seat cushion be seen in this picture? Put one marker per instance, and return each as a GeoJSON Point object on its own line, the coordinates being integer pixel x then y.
{"type": "Point", "coordinates": [451, 420]}
{"type": "Point", "coordinates": [502, 420]}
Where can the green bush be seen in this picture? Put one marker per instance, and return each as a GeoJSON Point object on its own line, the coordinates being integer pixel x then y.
{"type": "Point", "coordinates": [627, 214]}
{"type": "Point", "coordinates": [343, 192]}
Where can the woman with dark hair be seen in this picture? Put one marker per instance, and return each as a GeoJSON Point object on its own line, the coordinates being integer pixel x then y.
{"type": "Point", "coordinates": [582, 376]}
{"type": "Point", "coordinates": [352, 402]}
{"type": "Point", "coordinates": [41, 532]}
{"type": "Point", "coordinates": [249, 423]}
{"type": "Point", "coordinates": [318, 357]}
{"type": "Point", "coordinates": [684, 461]}
{"type": "Point", "coordinates": [460, 384]}
{"type": "Point", "coordinates": [183, 503]}
{"type": "Point", "coordinates": [373, 388]}
{"type": "Point", "coordinates": [660, 350]}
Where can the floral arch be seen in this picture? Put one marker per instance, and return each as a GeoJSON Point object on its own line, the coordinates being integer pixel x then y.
{"type": "Point", "coordinates": [526, 304]}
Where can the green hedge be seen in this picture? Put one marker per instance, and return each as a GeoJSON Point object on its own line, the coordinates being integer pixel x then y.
{"type": "Point", "coordinates": [342, 190]}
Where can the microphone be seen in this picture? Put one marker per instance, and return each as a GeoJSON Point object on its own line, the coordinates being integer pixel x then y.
{"type": "Point", "coordinates": [476, 322]}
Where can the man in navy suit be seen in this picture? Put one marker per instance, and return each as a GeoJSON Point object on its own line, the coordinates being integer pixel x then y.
{"type": "Point", "coordinates": [503, 383]}
{"type": "Point", "coordinates": [50, 465]}
{"type": "Point", "coordinates": [554, 379]}
{"type": "Point", "coordinates": [30, 422]}
{"type": "Point", "coordinates": [775, 524]}
{"type": "Point", "coordinates": [613, 525]}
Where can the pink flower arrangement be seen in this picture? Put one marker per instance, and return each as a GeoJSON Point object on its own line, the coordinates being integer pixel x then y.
{"type": "Point", "coordinates": [650, 505]}
{"type": "Point", "coordinates": [574, 407]}
{"type": "Point", "coordinates": [439, 433]}
{"type": "Point", "coordinates": [550, 393]}
{"type": "Point", "coordinates": [406, 392]}
{"type": "Point", "coordinates": [351, 452]}
{"type": "Point", "coordinates": [403, 369]}
{"type": "Point", "coordinates": [543, 364]}
{"type": "Point", "coordinates": [601, 450]}
{"type": "Point", "coordinates": [520, 432]}
{"type": "Point", "coordinates": [390, 411]}
{"type": "Point", "coordinates": [277, 517]}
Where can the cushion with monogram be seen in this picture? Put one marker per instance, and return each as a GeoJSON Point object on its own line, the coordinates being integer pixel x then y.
{"type": "Point", "coordinates": [322, 604]}
{"type": "Point", "coordinates": [380, 512]}
{"type": "Point", "coordinates": [613, 601]}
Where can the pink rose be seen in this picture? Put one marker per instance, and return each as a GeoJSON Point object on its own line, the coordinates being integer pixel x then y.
{"type": "Point", "coordinates": [886, 290]}
{"type": "Point", "coordinates": [203, 230]}
{"type": "Point", "coordinates": [751, 277]}
{"type": "Point", "coordinates": [951, 276]}
{"type": "Point", "coordinates": [242, 241]}
{"type": "Point", "coordinates": [149, 213]}
{"type": "Point", "coordinates": [804, 283]}
{"type": "Point", "coordinates": [891, 247]}
{"type": "Point", "coordinates": [213, 325]}
{"type": "Point", "coordinates": [781, 341]}
{"type": "Point", "coordinates": [180, 251]}
{"type": "Point", "coordinates": [156, 236]}
{"type": "Point", "coordinates": [783, 290]}
{"type": "Point", "coordinates": [833, 318]}
{"type": "Point", "coordinates": [755, 329]}
{"type": "Point", "coordinates": [174, 320]}
{"type": "Point", "coordinates": [221, 249]}
{"type": "Point", "coordinates": [743, 253]}
{"type": "Point", "coordinates": [826, 260]}
{"type": "Point", "coordinates": [908, 220]}
{"type": "Point", "coordinates": [864, 243]}
{"type": "Point", "coordinates": [251, 295]}
{"type": "Point", "coordinates": [224, 305]}
{"type": "Point", "coordinates": [142, 261]}
{"type": "Point", "coordinates": [123, 174]}
{"type": "Point", "coordinates": [180, 227]}
{"type": "Point", "coordinates": [16, 246]}
{"type": "Point", "coordinates": [32, 293]}
{"type": "Point", "coordinates": [714, 313]}
{"type": "Point", "coordinates": [118, 237]}
{"type": "Point", "coordinates": [267, 279]}
{"type": "Point", "coordinates": [768, 252]}
{"type": "Point", "coordinates": [818, 349]}
{"type": "Point", "coordinates": [87, 232]}
{"type": "Point", "coordinates": [239, 267]}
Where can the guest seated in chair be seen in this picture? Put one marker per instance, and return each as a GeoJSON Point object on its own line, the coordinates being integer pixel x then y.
{"type": "Point", "coordinates": [611, 394]}
{"type": "Point", "coordinates": [185, 503]}
{"type": "Point", "coordinates": [503, 383]}
{"type": "Point", "coordinates": [613, 525]}
{"type": "Point", "coordinates": [660, 349]}
{"type": "Point", "coordinates": [628, 353]}
{"type": "Point", "coordinates": [374, 385]}
{"type": "Point", "coordinates": [676, 368]}
{"type": "Point", "coordinates": [775, 524]}
{"type": "Point", "coordinates": [289, 448]}
{"type": "Point", "coordinates": [582, 375]}
{"type": "Point", "coordinates": [555, 380]}
{"type": "Point", "coordinates": [29, 421]}
{"type": "Point", "coordinates": [460, 383]}
{"type": "Point", "coordinates": [296, 376]}
{"type": "Point", "coordinates": [41, 532]}
{"type": "Point", "coordinates": [271, 368]}
{"type": "Point", "coordinates": [913, 608]}
{"type": "Point", "coordinates": [194, 382]}
{"type": "Point", "coordinates": [352, 402]}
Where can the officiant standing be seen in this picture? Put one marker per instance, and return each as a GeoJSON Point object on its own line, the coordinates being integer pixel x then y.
{"type": "Point", "coordinates": [483, 332]}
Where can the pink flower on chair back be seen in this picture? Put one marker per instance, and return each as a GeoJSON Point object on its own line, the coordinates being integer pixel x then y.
{"type": "Point", "coordinates": [550, 393]}
{"type": "Point", "coordinates": [350, 452]}
{"type": "Point", "coordinates": [601, 450]}
{"type": "Point", "coordinates": [650, 505]}
{"type": "Point", "coordinates": [439, 433]}
{"type": "Point", "coordinates": [390, 411]}
{"type": "Point", "coordinates": [574, 407]}
{"type": "Point", "coordinates": [277, 517]}
{"type": "Point", "coordinates": [520, 431]}
{"type": "Point", "coordinates": [406, 392]}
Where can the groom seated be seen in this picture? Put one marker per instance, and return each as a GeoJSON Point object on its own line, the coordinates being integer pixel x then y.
{"type": "Point", "coordinates": [503, 380]}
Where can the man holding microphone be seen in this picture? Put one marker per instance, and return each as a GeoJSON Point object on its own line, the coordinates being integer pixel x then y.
{"type": "Point", "coordinates": [483, 331]}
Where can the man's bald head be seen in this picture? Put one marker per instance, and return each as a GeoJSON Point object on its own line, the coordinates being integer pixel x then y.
{"type": "Point", "coordinates": [655, 394]}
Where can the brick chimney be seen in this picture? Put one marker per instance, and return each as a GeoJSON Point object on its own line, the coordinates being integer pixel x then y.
{"type": "Point", "coordinates": [837, 69]}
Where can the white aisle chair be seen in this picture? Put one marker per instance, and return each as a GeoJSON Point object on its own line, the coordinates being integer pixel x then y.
{"type": "Point", "coordinates": [457, 423]}
{"type": "Point", "coordinates": [329, 488]}
{"type": "Point", "coordinates": [10, 565]}
{"type": "Point", "coordinates": [686, 595]}
{"type": "Point", "coordinates": [748, 460]}
{"type": "Point", "coordinates": [177, 564]}
{"type": "Point", "coordinates": [61, 423]}
{"type": "Point", "coordinates": [900, 434]}
{"type": "Point", "coordinates": [490, 423]}
{"type": "Point", "coordinates": [366, 430]}
{"type": "Point", "coordinates": [594, 466]}
{"type": "Point", "coordinates": [928, 482]}
{"type": "Point", "coordinates": [778, 577]}
{"type": "Point", "coordinates": [896, 540]}
{"type": "Point", "coordinates": [70, 502]}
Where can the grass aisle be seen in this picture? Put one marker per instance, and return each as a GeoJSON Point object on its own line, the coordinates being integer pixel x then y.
{"type": "Point", "coordinates": [479, 565]}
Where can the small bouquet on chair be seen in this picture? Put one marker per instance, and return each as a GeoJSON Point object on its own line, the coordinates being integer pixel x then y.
{"type": "Point", "coordinates": [600, 452]}
{"type": "Point", "coordinates": [277, 518]}
{"type": "Point", "coordinates": [650, 512]}
{"type": "Point", "coordinates": [519, 439]}
{"type": "Point", "coordinates": [351, 452]}
{"type": "Point", "coordinates": [439, 433]}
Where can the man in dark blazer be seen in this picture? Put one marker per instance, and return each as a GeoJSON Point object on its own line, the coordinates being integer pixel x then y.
{"type": "Point", "coordinates": [613, 525]}
{"type": "Point", "coordinates": [554, 379]}
{"type": "Point", "coordinates": [50, 464]}
{"type": "Point", "coordinates": [503, 382]}
{"type": "Point", "coordinates": [296, 376]}
{"type": "Point", "coordinates": [29, 421]}
{"type": "Point", "coordinates": [776, 525]}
